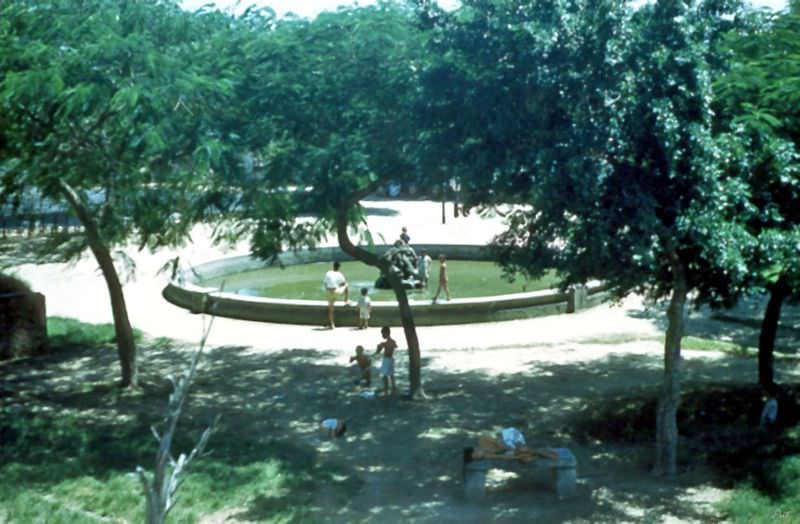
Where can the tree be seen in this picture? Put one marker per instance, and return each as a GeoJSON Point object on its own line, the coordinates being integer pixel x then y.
{"type": "Point", "coordinates": [325, 105]}
{"type": "Point", "coordinates": [758, 99]}
{"type": "Point", "coordinates": [106, 108]}
{"type": "Point", "coordinates": [612, 153]}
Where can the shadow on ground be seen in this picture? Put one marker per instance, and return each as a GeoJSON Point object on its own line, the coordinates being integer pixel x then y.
{"type": "Point", "coordinates": [400, 460]}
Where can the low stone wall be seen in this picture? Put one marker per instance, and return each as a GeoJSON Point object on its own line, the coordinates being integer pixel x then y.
{"type": "Point", "coordinates": [185, 292]}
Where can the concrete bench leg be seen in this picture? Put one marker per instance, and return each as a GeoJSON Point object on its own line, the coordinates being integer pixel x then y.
{"type": "Point", "coordinates": [474, 480]}
{"type": "Point", "coordinates": [564, 480]}
{"type": "Point", "coordinates": [564, 472]}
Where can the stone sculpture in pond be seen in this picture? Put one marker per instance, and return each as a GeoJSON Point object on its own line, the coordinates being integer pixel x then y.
{"type": "Point", "coordinates": [403, 261]}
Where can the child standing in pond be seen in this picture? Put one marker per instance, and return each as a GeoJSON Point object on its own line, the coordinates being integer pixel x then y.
{"type": "Point", "coordinates": [424, 267]}
{"type": "Point", "coordinates": [442, 279]}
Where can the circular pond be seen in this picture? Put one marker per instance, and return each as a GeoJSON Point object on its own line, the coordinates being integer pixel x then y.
{"type": "Point", "coordinates": [467, 278]}
{"type": "Point", "coordinates": [289, 290]}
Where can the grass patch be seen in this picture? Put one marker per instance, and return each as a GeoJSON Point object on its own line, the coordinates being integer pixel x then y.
{"type": "Point", "coordinates": [687, 342]}
{"type": "Point", "coordinates": [707, 344]}
{"type": "Point", "coordinates": [615, 339]}
{"type": "Point", "coordinates": [70, 470]}
{"type": "Point", "coordinates": [749, 504]}
{"type": "Point", "coordinates": [70, 456]}
{"type": "Point", "coordinates": [69, 333]}
{"type": "Point", "coordinates": [467, 279]}
{"type": "Point", "coordinates": [718, 426]}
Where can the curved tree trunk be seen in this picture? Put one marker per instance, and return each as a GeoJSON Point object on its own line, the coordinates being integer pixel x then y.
{"type": "Point", "coordinates": [406, 317]}
{"type": "Point", "coordinates": [769, 329]}
{"type": "Point", "coordinates": [670, 395]}
{"type": "Point", "coordinates": [126, 345]}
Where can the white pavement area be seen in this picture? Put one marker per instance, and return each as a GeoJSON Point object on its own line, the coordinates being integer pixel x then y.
{"type": "Point", "coordinates": [79, 291]}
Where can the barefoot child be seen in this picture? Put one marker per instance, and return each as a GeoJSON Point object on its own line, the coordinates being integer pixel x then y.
{"type": "Point", "coordinates": [364, 364]}
{"type": "Point", "coordinates": [388, 346]}
{"type": "Point", "coordinates": [424, 267]}
{"type": "Point", "coordinates": [442, 279]}
{"type": "Point", "coordinates": [364, 309]}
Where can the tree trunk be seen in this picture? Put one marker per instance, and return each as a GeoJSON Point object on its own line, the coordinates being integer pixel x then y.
{"type": "Point", "coordinates": [126, 345]}
{"type": "Point", "coordinates": [670, 395]}
{"type": "Point", "coordinates": [406, 317]}
{"type": "Point", "coordinates": [769, 328]}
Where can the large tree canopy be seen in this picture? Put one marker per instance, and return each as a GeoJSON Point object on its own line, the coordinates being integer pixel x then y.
{"type": "Point", "coordinates": [758, 99]}
{"type": "Point", "coordinates": [613, 149]}
{"type": "Point", "coordinates": [324, 109]}
{"type": "Point", "coordinates": [110, 106]}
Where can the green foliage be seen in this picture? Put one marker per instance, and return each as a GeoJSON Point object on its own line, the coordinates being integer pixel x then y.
{"type": "Point", "coordinates": [69, 333]}
{"type": "Point", "coordinates": [118, 100]}
{"type": "Point", "coordinates": [66, 470]}
{"type": "Point", "coordinates": [747, 504]}
{"type": "Point", "coordinates": [612, 151]}
{"type": "Point", "coordinates": [756, 99]}
{"type": "Point", "coordinates": [324, 113]}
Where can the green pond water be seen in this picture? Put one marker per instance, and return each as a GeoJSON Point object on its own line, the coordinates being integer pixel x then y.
{"type": "Point", "coordinates": [466, 279]}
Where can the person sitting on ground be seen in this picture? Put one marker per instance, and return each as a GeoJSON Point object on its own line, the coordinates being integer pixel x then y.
{"type": "Point", "coordinates": [335, 285]}
{"type": "Point", "coordinates": [332, 427]}
{"type": "Point", "coordinates": [364, 364]}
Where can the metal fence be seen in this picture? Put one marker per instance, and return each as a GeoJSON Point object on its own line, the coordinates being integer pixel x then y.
{"type": "Point", "coordinates": [33, 215]}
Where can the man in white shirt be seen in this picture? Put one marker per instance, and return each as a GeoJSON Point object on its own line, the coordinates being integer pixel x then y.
{"type": "Point", "coordinates": [335, 285]}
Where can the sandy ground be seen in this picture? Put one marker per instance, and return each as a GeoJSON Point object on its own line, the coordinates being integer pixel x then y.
{"type": "Point", "coordinates": [536, 374]}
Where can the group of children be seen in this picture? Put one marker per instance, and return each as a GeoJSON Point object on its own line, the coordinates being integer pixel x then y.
{"type": "Point", "coordinates": [424, 268]}
{"type": "Point", "coordinates": [332, 427]}
{"type": "Point", "coordinates": [336, 285]}
{"type": "Point", "coordinates": [387, 347]}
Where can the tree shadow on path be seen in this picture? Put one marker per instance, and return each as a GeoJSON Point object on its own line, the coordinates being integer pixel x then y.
{"type": "Point", "coordinates": [400, 461]}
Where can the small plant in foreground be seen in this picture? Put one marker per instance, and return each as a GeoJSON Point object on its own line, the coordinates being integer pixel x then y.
{"type": "Point", "coordinates": [161, 490]}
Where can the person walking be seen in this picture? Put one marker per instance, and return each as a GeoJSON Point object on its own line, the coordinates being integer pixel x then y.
{"type": "Point", "coordinates": [442, 279]}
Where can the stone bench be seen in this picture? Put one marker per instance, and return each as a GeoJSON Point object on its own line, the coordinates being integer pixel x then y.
{"type": "Point", "coordinates": [563, 471]}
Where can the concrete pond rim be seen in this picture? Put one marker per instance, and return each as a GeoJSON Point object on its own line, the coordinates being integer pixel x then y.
{"type": "Point", "coordinates": [186, 291]}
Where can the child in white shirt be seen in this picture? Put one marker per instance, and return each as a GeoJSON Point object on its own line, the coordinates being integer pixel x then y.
{"type": "Point", "coordinates": [364, 309]}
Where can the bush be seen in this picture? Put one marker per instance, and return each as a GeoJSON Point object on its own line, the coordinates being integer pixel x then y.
{"type": "Point", "coordinates": [752, 505]}
{"type": "Point", "coordinates": [69, 333]}
{"type": "Point", "coordinates": [22, 325]}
